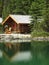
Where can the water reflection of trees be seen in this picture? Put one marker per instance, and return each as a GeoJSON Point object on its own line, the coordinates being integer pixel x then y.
{"type": "Point", "coordinates": [40, 51]}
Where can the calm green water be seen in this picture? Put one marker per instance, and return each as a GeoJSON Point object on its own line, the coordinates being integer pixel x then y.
{"type": "Point", "coordinates": [33, 53]}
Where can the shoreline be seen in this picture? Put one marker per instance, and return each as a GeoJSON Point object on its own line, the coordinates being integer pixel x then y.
{"type": "Point", "coordinates": [40, 38]}
{"type": "Point", "coordinates": [22, 37]}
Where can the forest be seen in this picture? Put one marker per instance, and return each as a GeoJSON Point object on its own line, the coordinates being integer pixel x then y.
{"type": "Point", "coordinates": [38, 9]}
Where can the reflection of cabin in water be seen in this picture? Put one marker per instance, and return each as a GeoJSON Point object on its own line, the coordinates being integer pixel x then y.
{"type": "Point", "coordinates": [10, 49]}
{"type": "Point", "coordinates": [18, 23]}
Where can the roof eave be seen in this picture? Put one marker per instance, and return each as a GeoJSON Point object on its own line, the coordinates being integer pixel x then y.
{"type": "Point", "coordinates": [5, 20]}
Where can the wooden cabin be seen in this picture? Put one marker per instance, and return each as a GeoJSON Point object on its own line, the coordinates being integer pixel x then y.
{"type": "Point", "coordinates": [18, 23]}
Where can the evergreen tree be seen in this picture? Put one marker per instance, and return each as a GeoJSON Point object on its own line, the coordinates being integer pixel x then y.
{"type": "Point", "coordinates": [16, 7]}
{"type": "Point", "coordinates": [6, 9]}
{"type": "Point", "coordinates": [20, 6]}
{"type": "Point", "coordinates": [46, 16]}
{"type": "Point", "coordinates": [1, 7]}
{"type": "Point", "coordinates": [36, 10]}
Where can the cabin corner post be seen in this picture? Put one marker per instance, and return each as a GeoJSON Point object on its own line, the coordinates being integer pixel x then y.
{"type": "Point", "coordinates": [18, 28]}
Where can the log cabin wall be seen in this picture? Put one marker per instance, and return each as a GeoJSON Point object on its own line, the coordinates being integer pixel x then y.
{"type": "Point", "coordinates": [24, 28]}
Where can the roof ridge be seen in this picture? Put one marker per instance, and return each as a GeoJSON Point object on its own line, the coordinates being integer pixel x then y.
{"type": "Point", "coordinates": [18, 15]}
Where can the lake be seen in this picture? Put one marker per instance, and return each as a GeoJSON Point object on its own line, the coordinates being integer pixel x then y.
{"type": "Point", "coordinates": [24, 53]}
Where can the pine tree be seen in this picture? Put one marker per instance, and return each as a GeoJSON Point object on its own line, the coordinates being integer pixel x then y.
{"type": "Point", "coordinates": [37, 11]}
{"type": "Point", "coordinates": [16, 7]}
{"type": "Point", "coordinates": [1, 7]}
{"type": "Point", "coordinates": [20, 6]}
{"type": "Point", "coordinates": [45, 23]}
{"type": "Point", "coordinates": [6, 9]}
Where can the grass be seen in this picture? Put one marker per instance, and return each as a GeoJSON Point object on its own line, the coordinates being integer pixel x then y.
{"type": "Point", "coordinates": [36, 33]}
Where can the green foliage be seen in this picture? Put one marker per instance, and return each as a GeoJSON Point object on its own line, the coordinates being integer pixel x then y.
{"type": "Point", "coordinates": [40, 10]}
{"type": "Point", "coordinates": [16, 7]}
{"type": "Point", "coordinates": [20, 6]}
{"type": "Point", "coordinates": [36, 12]}
{"type": "Point", "coordinates": [46, 19]}
{"type": "Point", "coordinates": [36, 33]}
{"type": "Point", "coordinates": [6, 9]}
{"type": "Point", "coordinates": [1, 7]}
